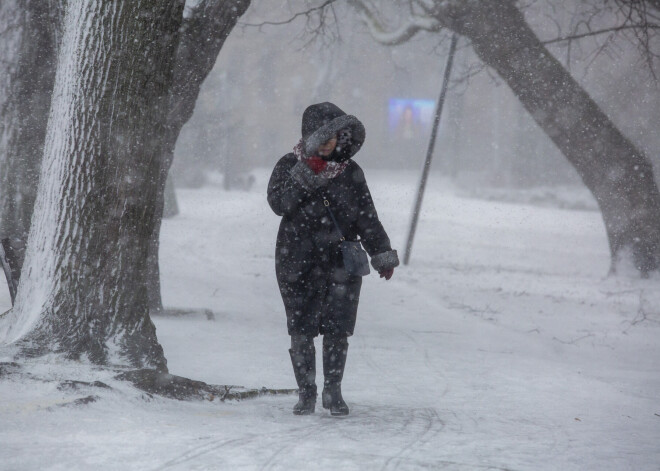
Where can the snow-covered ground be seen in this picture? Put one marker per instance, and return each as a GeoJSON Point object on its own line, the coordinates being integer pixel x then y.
{"type": "Point", "coordinates": [501, 346]}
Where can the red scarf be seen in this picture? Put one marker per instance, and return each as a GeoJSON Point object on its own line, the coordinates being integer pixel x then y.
{"type": "Point", "coordinates": [316, 163]}
{"type": "Point", "coordinates": [325, 168]}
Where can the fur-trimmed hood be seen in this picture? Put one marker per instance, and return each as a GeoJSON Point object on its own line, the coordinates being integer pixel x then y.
{"type": "Point", "coordinates": [322, 121]}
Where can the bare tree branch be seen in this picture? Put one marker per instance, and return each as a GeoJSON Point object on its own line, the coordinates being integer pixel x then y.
{"type": "Point", "coordinates": [403, 33]}
{"type": "Point", "coordinates": [613, 29]}
{"type": "Point", "coordinates": [307, 13]}
{"type": "Point", "coordinates": [636, 21]}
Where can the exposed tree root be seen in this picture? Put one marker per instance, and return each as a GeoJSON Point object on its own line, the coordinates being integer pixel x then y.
{"type": "Point", "coordinates": [202, 313]}
{"type": "Point", "coordinates": [82, 401]}
{"type": "Point", "coordinates": [148, 381]}
{"type": "Point", "coordinates": [178, 387]}
{"type": "Point", "coordinates": [72, 385]}
{"type": "Point", "coordinates": [9, 368]}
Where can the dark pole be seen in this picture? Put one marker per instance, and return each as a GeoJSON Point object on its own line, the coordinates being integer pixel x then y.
{"type": "Point", "coordinates": [429, 152]}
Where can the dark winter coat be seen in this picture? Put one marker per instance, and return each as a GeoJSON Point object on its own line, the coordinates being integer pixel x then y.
{"type": "Point", "coordinates": [319, 296]}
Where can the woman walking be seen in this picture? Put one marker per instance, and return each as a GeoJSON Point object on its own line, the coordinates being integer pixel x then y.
{"type": "Point", "coordinates": [323, 199]}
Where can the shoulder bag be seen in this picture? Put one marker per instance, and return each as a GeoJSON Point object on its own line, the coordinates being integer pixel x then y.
{"type": "Point", "coordinates": [355, 258]}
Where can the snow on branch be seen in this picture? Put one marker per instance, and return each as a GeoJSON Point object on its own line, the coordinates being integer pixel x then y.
{"type": "Point", "coordinates": [414, 24]}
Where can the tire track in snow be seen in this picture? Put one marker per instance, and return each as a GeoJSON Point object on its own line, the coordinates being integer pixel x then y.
{"type": "Point", "coordinates": [427, 362]}
{"type": "Point", "coordinates": [200, 450]}
{"type": "Point", "coordinates": [385, 373]}
{"type": "Point", "coordinates": [292, 440]}
{"type": "Point", "coordinates": [213, 446]}
{"type": "Point", "coordinates": [418, 426]}
{"type": "Point", "coordinates": [429, 423]}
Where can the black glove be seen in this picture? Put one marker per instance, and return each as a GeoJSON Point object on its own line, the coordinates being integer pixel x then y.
{"type": "Point", "coordinates": [305, 177]}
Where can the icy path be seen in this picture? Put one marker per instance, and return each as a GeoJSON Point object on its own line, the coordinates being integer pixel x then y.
{"type": "Point", "coordinates": [501, 347]}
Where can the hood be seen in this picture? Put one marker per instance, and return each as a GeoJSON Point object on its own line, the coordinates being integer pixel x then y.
{"type": "Point", "coordinates": [322, 121]}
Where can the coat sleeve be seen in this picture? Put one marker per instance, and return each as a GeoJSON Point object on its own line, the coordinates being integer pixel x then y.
{"type": "Point", "coordinates": [371, 231]}
{"type": "Point", "coordinates": [291, 184]}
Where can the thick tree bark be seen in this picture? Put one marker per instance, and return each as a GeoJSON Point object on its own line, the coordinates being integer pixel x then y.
{"type": "Point", "coordinates": [618, 174]}
{"type": "Point", "coordinates": [34, 23]}
{"type": "Point", "coordinates": [83, 290]}
{"type": "Point", "coordinates": [202, 36]}
{"type": "Point", "coordinates": [29, 37]}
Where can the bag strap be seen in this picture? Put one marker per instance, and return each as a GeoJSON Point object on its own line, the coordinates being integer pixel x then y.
{"type": "Point", "coordinates": [326, 203]}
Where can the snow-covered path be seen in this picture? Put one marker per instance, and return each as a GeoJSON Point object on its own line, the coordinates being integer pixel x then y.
{"type": "Point", "coordinates": [502, 346]}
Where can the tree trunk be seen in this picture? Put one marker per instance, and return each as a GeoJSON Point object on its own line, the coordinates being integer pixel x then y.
{"type": "Point", "coordinates": [202, 35]}
{"type": "Point", "coordinates": [618, 174]}
{"type": "Point", "coordinates": [31, 36]}
{"type": "Point", "coordinates": [83, 291]}
{"type": "Point", "coordinates": [29, 31]}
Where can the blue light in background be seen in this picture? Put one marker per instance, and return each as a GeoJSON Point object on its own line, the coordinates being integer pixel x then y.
{"type": "Point", "coordinates": [409, 118]}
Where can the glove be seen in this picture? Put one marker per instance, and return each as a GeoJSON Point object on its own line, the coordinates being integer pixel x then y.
{"type": "Point", "coordinates": [386, 273]}
{"type": "Point", "coordinates": [305, 177]}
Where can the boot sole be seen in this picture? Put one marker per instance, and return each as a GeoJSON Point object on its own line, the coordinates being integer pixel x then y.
{"type": "Point", "coordinates": [327, 404]}
{"type": "Point", "coordinates": [335, 413]}
{"type": "Point", "coordinates": [304, 411]}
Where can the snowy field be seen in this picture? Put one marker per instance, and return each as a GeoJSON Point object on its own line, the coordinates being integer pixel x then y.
{"type": "Point", "coordinates": [503, 346]}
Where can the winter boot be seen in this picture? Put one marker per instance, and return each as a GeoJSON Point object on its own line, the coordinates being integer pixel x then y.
{"type": "Point", "coordinates": [334, 360]}
{"type": "Point", "coordinates": [303, 359]}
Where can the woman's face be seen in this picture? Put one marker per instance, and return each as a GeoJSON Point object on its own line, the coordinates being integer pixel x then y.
{"type": "Point", "coordinates": [327, 147]}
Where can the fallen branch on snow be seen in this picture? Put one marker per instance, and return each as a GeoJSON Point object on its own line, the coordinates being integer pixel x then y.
{"type": "Point", "coordinates": [178, 387]}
